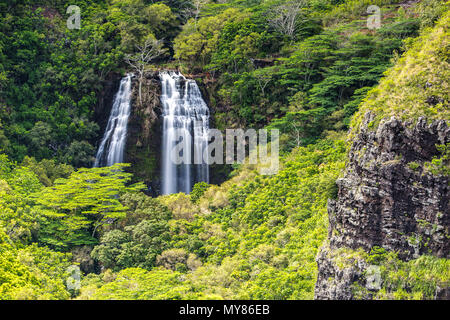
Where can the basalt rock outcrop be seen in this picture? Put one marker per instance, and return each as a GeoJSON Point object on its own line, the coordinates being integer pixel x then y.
{"type": "Point", "coordinates": [387, 198]}
{"type": "Point", "coordinates": [143, 148]}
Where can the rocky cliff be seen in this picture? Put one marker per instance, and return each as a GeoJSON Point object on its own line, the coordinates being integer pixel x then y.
{"type": "Point", "coordinates": [144, 132]}
{"type": "Point", "coordinates": [389, 197]}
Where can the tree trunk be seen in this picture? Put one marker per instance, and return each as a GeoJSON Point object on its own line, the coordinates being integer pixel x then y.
{"type": "Point", "coordinates": [140, 90]}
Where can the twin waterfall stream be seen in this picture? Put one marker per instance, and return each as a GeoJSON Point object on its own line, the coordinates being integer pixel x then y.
{"type": "Point", "coordinates": [186, 116]}
{"type": "Point", "coordinates": [112, 147]}
{"type": "Point", "coordinates": [185, 121]}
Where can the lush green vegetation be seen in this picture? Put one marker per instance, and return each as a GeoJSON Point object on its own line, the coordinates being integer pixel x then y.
{"type": "Point", "coordinates": [53, 78]}
{"type": "Point", "coordinates": [254, 236]}
{"type": "Point", "coordinates": [305, 84]}
{"type": "Point", "coordinates": [419, 80]}
{"type": "Point", "coordinates": [416, 279]}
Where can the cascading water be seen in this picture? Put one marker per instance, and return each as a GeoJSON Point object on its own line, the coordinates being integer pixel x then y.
{"type": "Point", "coordinates": [112, 147]}
{"type": "Point", "coordinates": [186, 122]}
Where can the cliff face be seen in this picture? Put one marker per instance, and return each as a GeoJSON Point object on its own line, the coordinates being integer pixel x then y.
{"type": "Point", "coordinates": [144, 132]}
{"type": "Point", "coordinates": [105, 101]}
{"type": "Point", "coordinates": [387, 198]}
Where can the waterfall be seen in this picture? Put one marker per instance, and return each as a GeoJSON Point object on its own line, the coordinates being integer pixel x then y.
{"type": "Point", "coordinates": [186, 121]}
{"type": "Point", "coordinates": [112, 147]}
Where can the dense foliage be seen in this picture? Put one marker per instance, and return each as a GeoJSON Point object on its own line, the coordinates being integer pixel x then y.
{"type": "Point", "coordinates": [424, 86]}
{"type": "Point", "coordinates": [309, 82]}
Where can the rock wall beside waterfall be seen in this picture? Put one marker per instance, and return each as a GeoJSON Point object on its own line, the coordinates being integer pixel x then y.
{"type": "Point", "coordinates": [386, 198]}
{"type": "Point", "coordinates": [105, 101]}
{"type": "Point", "coordinates": [143, 148]}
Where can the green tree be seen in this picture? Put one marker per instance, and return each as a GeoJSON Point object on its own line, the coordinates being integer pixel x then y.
{"type": "Point", "coordinates": [32, 272]}
{"type": "Point", "coordinates": [137, 239]}
{"type": "Point", "coordinates": [197, 42]}
{"type": "Point", "coordinates": [159, 284]}
{"type": "Point", "coordinates": [86, 200]}
{"type": "Point", "coordinates": [198, 191]}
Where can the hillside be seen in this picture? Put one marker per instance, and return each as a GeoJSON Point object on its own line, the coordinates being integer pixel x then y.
{"type": "Point", "coordinates": [390, 219]}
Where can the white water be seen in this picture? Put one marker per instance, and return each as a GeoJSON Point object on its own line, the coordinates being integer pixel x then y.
{"type": "Point", "coordinates": [112, 146]}
{"type": "Point", "coordinates": [185, 110]}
